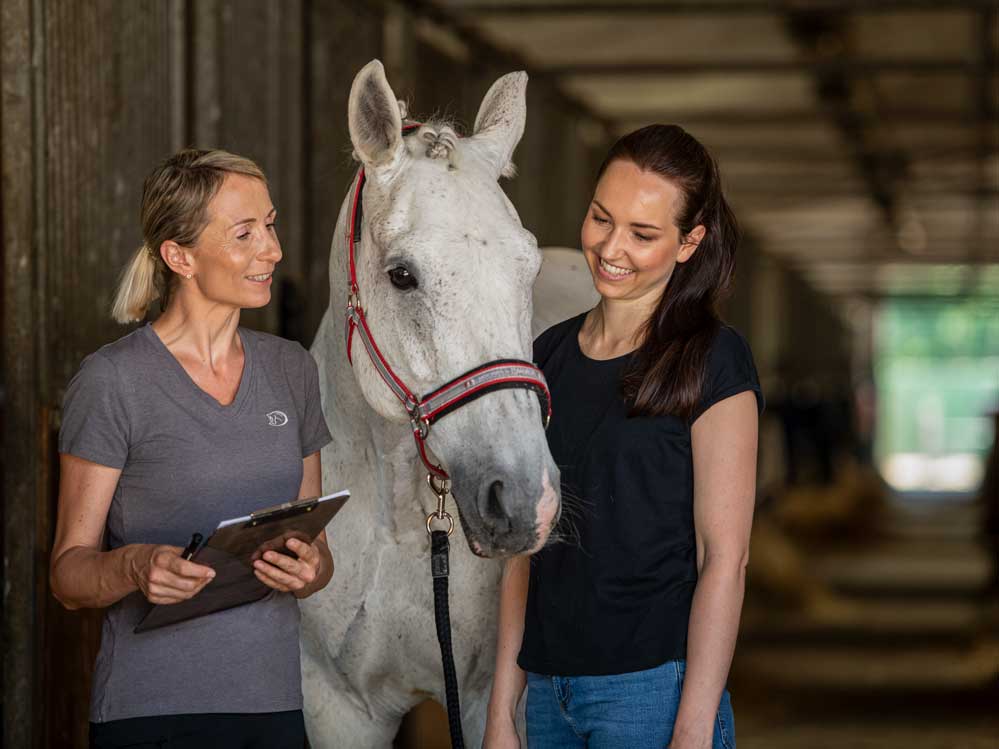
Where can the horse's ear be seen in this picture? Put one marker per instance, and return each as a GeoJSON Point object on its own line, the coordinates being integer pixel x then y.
{"type": "Point", "coordinates": [373, 118]}
{"type": "Point", "coordinates": [501, 118]}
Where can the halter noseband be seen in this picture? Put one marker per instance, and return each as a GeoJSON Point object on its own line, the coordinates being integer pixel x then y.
{"type": "Point", "coordinates": [499, 374]}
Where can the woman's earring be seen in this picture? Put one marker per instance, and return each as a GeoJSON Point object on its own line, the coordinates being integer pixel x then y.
{"type": "Point", "coordinates": [190, 275]}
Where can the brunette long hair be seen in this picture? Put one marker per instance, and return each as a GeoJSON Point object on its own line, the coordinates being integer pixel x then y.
{"type": "Point", "coordinates": [667, 372]}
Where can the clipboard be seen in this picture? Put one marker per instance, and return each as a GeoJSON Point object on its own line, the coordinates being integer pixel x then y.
{"type": "Point", "coordinates": [232, 549]}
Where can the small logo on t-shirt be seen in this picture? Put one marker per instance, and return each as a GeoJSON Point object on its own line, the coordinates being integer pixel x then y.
{"type": "Point", "coordinates": [277, 418]}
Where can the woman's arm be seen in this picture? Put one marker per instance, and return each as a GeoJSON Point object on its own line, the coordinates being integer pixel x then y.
{"type": "Point", "coordinates": [83, 576]}
{"type": "Point", "coordinates": [724, 442]}
{"type": "Point", "coordinates": [508, 679]}
{"type": "Point", "coordinates": [313, 568]}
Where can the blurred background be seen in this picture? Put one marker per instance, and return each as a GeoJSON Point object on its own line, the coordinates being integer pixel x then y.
{"type": "Point", "coordinates": [859, 142]}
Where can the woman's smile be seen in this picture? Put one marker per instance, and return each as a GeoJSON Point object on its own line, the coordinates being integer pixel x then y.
{"type": "Point", "coordinates": [614, 272]}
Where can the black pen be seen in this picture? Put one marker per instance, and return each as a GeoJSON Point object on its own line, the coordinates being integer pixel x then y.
{"type": "Point", "coordinates": [191, 547]}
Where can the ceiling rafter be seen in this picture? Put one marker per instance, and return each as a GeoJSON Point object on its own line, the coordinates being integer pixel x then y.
{"type": "Point", "coordinates": [813, 189]}
{"type": "Point", "coordinates": [814, 30]}
{"type": "Point", "coordinates": [777, 118]}
{"type": "Point", "coordinates": [815, 65]}
{"type": "Point", "coordinates": [866, 262]}
{"type": "Point", "coordinates": [712, 7]}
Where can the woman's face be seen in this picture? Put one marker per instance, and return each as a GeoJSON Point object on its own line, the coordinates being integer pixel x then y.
{"type": "Point", "coordinates": [629, 237]}
{"type": "Point", "coordinates": [237, 252]}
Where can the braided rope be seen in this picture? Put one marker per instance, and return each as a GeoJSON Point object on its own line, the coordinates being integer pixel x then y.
{"type": "Point", "coordinates": [442, 618]}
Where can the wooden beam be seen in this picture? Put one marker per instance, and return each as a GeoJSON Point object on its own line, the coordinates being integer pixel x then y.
{"type": "Point", "coordinates": [749, 191]}
{"type": "Point", "coordinates": [763, 67]}
{"type": "Point", "coordinates": [711, 7]}
{"type": "Point", "coordinates": [743, 118]}
{"type": "Point", "coordinates": [801, 262]}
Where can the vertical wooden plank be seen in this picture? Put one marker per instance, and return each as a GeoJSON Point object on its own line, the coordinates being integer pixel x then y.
{"type": "Point", "coordinates": [205, 109]}
{"type": "Point", "coordinates": [179, 51]}
{"type": "Point", "coordinates": [573, 175]}
{"type": "Point", "coordinates": [398, 55]}
{"type": "Point", "coordinates": [111, 119]}
{"type": "Point", "coordinates": [343, 37]}
{"type": "Point", "coordinates": [20, 353]}
{"type": "Point", "coordinates": [527, 191]}
{"type": "Point", "coordinates": [247, 67]}
{"type": "Point", "coordinates": [738, 307]}
{"type": "Point", "coordinates": [111, 114]}
{"type": "Point", "coordinates": [438, 87]}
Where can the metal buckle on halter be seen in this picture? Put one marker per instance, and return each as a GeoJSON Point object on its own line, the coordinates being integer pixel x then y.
{"type": "Point", "coordinates": [353, 301]}
{"type": "Point", "coordinates": [419, 422]}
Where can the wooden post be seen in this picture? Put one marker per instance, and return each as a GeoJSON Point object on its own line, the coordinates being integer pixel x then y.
{"type": "Point", "coordinates": [21, 188]}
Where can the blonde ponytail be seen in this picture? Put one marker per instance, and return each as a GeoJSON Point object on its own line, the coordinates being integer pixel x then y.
{"type": "Point", "coordinates": [137, 288]}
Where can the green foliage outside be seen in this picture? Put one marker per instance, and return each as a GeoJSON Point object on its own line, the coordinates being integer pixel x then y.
{"type": "Point", "coordinates": [937, 372]}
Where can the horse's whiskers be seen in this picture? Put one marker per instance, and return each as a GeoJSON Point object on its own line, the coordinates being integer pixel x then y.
{"type": "Point", "coordinates": [567, 530]}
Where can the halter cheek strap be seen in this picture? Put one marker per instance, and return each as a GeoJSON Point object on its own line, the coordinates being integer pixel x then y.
{"type": "Point", "coordinates": [499, 374]}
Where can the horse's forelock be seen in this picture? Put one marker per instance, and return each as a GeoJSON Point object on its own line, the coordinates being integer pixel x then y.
{"type": "Point", "coordinates": [439, 140]}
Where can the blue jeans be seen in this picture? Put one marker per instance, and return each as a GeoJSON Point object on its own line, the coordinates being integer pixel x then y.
{"type": "Point", "coordinates": [635, 710]}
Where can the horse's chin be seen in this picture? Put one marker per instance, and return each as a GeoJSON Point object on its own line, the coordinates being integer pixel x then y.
{"type": "Point", "coordinates": [528, 543]}
{"type": "Point", "coordinates": [501, 551]}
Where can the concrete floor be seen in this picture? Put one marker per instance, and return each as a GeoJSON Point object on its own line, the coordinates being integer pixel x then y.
{"type": "Point", "coordinates": [907, 658]}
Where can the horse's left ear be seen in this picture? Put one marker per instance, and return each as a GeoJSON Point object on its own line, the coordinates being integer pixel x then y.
{"type": "Point", "coordinates": [501, 118]}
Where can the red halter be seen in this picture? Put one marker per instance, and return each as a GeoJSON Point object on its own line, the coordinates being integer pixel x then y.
{"type": "Point", "coordinates": [424, 412]}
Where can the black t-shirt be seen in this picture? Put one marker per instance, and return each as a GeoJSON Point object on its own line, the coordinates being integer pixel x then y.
{"type": "Point", "coordinates": [612, 593]}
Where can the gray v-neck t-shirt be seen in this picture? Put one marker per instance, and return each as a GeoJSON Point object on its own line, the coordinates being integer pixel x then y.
{"type": "Point", "coordinates": [186, 463]}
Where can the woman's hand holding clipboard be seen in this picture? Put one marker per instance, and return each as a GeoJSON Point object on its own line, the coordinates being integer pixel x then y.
{"type": "Point", "coordinates": [237, 546]}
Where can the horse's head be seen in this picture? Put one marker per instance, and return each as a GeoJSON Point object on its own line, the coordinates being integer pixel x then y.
{"type": "Point", "coordinates": [445, 270]}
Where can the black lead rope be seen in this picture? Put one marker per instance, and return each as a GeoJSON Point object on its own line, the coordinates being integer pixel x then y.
{"type": "Point", "coordinates": [442, 617]}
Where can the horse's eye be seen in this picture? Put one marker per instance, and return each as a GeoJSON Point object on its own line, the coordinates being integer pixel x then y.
{"type": "Point", "coordinates": [402, 279]}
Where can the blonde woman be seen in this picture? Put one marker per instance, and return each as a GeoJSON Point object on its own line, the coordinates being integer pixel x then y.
{"type": "Point", "coordinates": [186, 421]}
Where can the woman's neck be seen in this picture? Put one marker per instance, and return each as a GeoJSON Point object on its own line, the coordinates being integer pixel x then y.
{"type": "Point", "coordinates": [201, 330]}
{"type": "Point", "coordinates": [614, 327]}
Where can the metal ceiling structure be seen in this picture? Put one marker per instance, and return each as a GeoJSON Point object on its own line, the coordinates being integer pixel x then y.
{"type": "Point", "coordinates": [859, 140]}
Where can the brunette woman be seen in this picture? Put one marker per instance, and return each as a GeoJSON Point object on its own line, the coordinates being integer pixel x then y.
{"type": "Point", "coordinates": [624, 634]}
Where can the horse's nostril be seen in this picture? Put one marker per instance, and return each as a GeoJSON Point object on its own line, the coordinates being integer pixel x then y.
{"type": "Point", "coordinates": [495, 506]}
{"type": "Point", "coordinates": [495, 511]}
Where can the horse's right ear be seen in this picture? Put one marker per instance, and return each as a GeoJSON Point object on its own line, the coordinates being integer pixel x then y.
{"type": "Point", "coordinates": [373, 118]}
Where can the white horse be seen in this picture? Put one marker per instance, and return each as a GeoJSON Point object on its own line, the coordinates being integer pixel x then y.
{"type": "Point", "coordinates": [445, 270]}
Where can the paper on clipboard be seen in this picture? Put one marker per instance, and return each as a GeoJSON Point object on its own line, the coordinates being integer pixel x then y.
{"type": "Point", "coordinates": [235, 545]}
